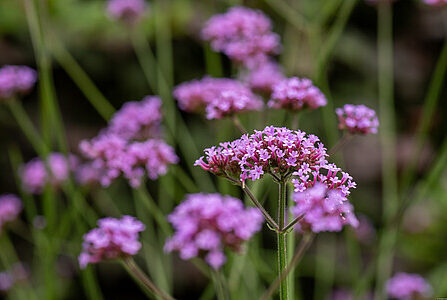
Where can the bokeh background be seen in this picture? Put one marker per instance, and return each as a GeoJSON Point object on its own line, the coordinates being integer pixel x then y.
{"type": "Point", "coordinates": [103, 49]}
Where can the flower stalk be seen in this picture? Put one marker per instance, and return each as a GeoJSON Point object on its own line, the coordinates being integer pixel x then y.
{"type": "Point", "coordinates": [282, 249]}
{"type": "Point", "coordinates": [304, 245]}
{"type": "Point", "coordinates": [143, 280]}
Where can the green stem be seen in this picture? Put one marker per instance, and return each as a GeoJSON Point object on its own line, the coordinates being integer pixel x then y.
{"type": "Point", "coordinates": [323, 59]}
{"type": "Point", "coordinates": [343, 141]}
{"type": "Point", "coordinates": [289, 13]}
{"type": "Point", "coordinates": [255, 201]}
{"type": "Point", "coordinates": [333, 37]}
{"type": "Point", "coordinates": [145, 57]}
{"type": "Point", "coordinates": [304, 245]}
{"type": "Point", "coordinates": [153, 209]}
{"type": "Point", "coordinates": [174, 123]}
{"type": "Point", "coordinates": [388, 144]}
{"type": "Point", "coordinates": [143, 280]}
{"type": "Point", "coordinates": [82, 80]}
{"type": "Point", "coordinates": [296, 120]}
{"type": "Point", "coordinates": [281, 236]}
{"type": "Point", "coordinates": [237, 122]}
{"type": "Point", "coordinates": [27, 127]}
{"type": "Point", "coordinates": [429, 107]}
{"type": "Point", "coordinates": [221, 291]}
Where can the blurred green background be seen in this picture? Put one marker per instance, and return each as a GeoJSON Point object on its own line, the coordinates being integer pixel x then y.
{"type": "Point", "coordinates": [103, 49]}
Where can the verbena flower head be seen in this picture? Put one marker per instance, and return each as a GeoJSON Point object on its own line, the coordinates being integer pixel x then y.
{"type": "Point", "coordinates": [435, 2]}
{"type": "Point", "coordinates": [324, 209]}
{"type": "Point", "coordinates": [404, 286]}
{"type": "Point", "coordinates": [274, 150]}
{"type": "Point", "coordinates": [357, 119]}
{"type": "Point", "coordinates": [10, 208]}
{"type": "Point", "coordinates": [35, 174]}
{"type": "Point", "coordinates": [16, 80]}
{"type": "Point", "coordinates": [219, 97]}
{"type": "Point", "coordinates": [112, 239]}
{"type": "Point", "coordinates": [206, 224]}
{"type": "Point", "coordinates": [296, 94]}
{"type": "Point", "coordinates": [232, 102]}
{"type": "Point", "coordinates": [115, 156]}
{"type": "Point", "coordinates": [137, 119]}
{"type": "Point", "coordinates": [244, 35]}
{"type": "Point", "coordinates": [127, 11]}
{"type": "Point", "coordinates": [264, 77]}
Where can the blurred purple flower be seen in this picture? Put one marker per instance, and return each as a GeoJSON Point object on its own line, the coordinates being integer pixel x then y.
{"type": "Point", "coordinates": [10, 208]}
{"type": "Point", "coordinates": [219, 97]}
{"type": "Point", "coordinates": [88, 174]}
{"type": "Point", "coordinates": [231, 102]}
{"type": "Point", "coordinates": [296, 94]}
{"type": "Point", "coordinates": [137, 119]}
{"type": "Point", "coordinates": [404, 286]}
{"type": "Point", "coordinates": [264, 77]}
{"type": "Point", "coordinates": [206, 224]}
{"type": "Point", "coordinates": [435, 2]}
{"type": "Point", "coordinates": [244, 35]}
{"type": "Point", "coordinates": [6, 282]}
{"type": "Point", "coordinates": [127, 11]}
{"type": "Point", "coordinates": [112, 239]}
{"type": "Point", "coordinates": [113, 156]}
{"type": "Point", "coordinates": [274, 150]}
{"type": "Point", "coordinates": [18, 273]}
{"type": "Point", "coordinates": [34, 174]}
{"type": "Point", "coordinates": [324, 209]}
{"type": "Point", "coordinates": [16, 80]}
{"type": "Point", "coordinates": [357, 119]}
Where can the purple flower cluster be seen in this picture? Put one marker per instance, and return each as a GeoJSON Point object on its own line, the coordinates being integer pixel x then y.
{"type": "Point", "coordinates": [113, 156]}
{"type": "Point", "coordinates": [218, 97]}
{"type": "Point", "coordinates": [404, 286]}
{"type": "Point", "coordinates": [324, 209]}
{"type": "Point", "coordinates": [10, 208]}
{"type": "Point", "coordinates": [17, 273]}
{"type": "Point", "coordinates": [112, 239]}
{"type": "Point", "coordinates": [130, 146]}
{"type": "Point", "coordinates": [328, 174]}
{"type": "Point", "coordinates": [244, 35]}
{"type": "Point", "coordinates": [274, 150]}
{"type": "Point", "coordinates": [206, 224]}
{"type": "Point", "coordinates": [435, 2]}
{"type": "Point", "coordinates": [357, 119]}
{"type": "Point", "coordinates": [296, 94]}
{"type": "Point", "coordinates": [16, 80]}
{"type": "Point", "coordinates": [264, 77]}
{"type": "Point", "coordinates": [127, 11]}
{"type": "Point", "coordinates": [228, 103]}
{"type": "Point", "coordinates": [36, 174]}
{"type": "Point", "coordinates": [137, 119]}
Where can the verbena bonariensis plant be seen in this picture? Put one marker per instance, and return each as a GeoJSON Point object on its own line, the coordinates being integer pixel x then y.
{"type": "Point", "coordinates": [210, 227]}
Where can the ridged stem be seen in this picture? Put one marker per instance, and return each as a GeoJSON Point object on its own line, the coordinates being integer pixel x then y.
{"type": "Point", "coordinates": [281, 236]}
